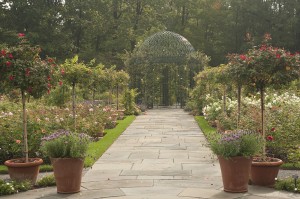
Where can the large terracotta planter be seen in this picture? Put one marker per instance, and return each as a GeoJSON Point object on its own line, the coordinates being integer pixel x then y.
{"type": "Point", "coordinates": [67, 173]}
{"type": "Point", "coordinates": [235, 173]}
{"type": "Point", "coordinates": [264, 173]}
{"type": "Point", "coordinates": [19, 170]}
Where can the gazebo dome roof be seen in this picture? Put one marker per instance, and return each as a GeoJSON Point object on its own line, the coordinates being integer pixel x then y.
{"type": "Point", "coordinates": [164, 47]}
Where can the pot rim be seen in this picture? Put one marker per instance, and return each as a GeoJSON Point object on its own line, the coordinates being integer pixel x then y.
{"type": "Point", "coordinates": [13, 163]}
{"type": "Point", "coordinates": [274, 162]}
{"type": "Point", "coordinates": [67, 158]}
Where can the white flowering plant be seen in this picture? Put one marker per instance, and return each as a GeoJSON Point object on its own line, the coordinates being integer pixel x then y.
{"type": "Point", "coordinates": [12, 187]}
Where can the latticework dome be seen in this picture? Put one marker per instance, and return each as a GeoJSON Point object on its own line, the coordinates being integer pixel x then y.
{"type": "Point", "coordinates": [164, 47]}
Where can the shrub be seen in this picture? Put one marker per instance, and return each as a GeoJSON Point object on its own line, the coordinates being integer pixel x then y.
{"type": "Point", "coordinates": [288, 185]}
{"type": "Point", "coordinates": [46, 181]}
{"type": "Point", "coordinates": [11, 187]}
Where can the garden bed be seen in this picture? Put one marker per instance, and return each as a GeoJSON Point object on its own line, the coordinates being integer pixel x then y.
{"type": "Point", "coordinates": [96, 149]}
{"type": "Point", "coordinates": [287, 170]}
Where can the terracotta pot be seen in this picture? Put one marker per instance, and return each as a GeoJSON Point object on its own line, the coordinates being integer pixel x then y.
{"type": "Point", "coordinates": [67, 173]}
{"type": "Point", "coordinates": [19, 170]}
{"type": "Point", "coordinates": [264, 173]}
{"type": "Point", "coordinates": [235, 173]}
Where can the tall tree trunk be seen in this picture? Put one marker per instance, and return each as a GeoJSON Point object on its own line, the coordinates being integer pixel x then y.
{"type": "Point", "coordinates": [138, 13]}
{"type": "Point", "coordinates": [25, 150]}
{"type": "Point", "coordinates": [237, 32]}
{"type": "Point", "coordinates": [79, 33]}
{"type": "Point", "coordinates": [183, 15]}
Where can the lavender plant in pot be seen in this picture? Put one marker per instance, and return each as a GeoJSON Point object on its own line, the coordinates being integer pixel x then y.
{"type": "Point", "coordinates": [67, 151]}
{"type": "Point", "coordinates": [235, 151]}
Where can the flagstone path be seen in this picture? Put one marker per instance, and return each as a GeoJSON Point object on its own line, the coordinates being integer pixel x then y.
{"type": "Point", "coordinates": [161, 155]}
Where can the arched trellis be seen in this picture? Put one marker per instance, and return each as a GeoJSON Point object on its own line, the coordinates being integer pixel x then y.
{"type": "Point", "coordinates": [163, 67]}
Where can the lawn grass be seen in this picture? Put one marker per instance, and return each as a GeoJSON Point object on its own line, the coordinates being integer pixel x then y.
{"type": "Point", "coordinates": [291, 166]}
{"type": "Point", "coordinates": [3, 169]}
{"type": "Point", "coordinates": [204, 126]}
{"type": "Point", "coordinates": [96, 149]}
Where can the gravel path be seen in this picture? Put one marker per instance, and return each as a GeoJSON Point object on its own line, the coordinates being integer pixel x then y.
{"type": "Point", "coordinates": [287, 173]}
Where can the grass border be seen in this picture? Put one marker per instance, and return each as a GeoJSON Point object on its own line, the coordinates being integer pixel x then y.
{"type": "Point", "coordinates": [204, 126]}
{"type": "Point", "coordinates": [96, 149]}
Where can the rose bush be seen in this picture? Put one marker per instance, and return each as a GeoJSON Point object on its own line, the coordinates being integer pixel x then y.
{"type": "Point", "coordinates": [282, 114]}
{"type": "Point", "coordinates": [43, 120]}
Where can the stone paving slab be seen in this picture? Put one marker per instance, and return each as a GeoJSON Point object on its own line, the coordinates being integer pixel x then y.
{"type": "Point", "coordinates": [109, 184]}
{"type": "Point", "coordinates": [155, 173]}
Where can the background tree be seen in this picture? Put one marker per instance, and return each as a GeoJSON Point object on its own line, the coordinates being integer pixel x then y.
{"type": "Point", "coordinates": [108, 30]}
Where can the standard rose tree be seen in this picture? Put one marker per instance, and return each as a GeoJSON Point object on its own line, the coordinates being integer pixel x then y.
{"type": "Point", "coordinates": [22, 68]}
{"type": "Point", "coordinates": [271, 66]}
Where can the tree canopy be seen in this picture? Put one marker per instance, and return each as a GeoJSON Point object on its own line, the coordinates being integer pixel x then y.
{"type": "Point", "coordinates": [109, 30]}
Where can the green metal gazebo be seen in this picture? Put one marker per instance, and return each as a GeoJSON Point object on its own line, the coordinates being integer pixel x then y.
{"type": "Point", "coordinates": [161, 68]}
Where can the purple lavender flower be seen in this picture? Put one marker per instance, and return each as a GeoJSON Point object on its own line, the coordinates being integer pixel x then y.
{"type": "Point", "coordinates": [56, 135]}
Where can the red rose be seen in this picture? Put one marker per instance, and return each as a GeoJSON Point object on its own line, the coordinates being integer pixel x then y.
{"type": "Point", "coordinates": [49, 78]}
{"type": "Point", "coordinates": [263, 47]}
{"type": "Point", "coordinates": [50, 60]}
{"type": "Point", "coordinates": [60, 83]}
{"type": "Point", "coordinates": [3, 52]}
{"type": "Point", "coordinates": [10, 56]}
{"type": "Point", "coordinates": [278, 56]}
{"type": "Point", "coordinates": [49, 85]}
{"type": "Point", "coordinates": [270, 138]}
{"type": "Point", "coordinates": [29, 90]}
{"type": "Point", "coordinates": [21, 35]}
{"type": "Point", "coordinates": [11, 78]}
{"type": "Point", "coordinates": [243, 57]}
{"type": "Point", "coordinates": [27, 72]}
{"type": "Point", "coordinates": [8, 63]}
{"type": "Point", "coordinates": [273, 129]}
